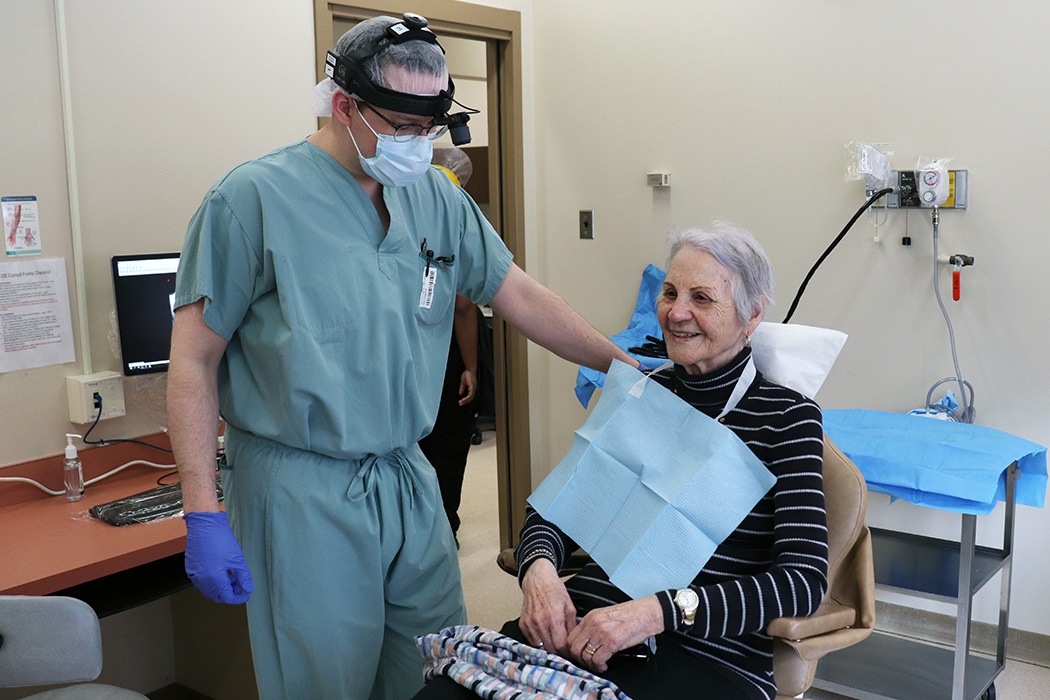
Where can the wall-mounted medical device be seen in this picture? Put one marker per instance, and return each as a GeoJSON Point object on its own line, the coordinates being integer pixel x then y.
{"type": "Point", "coordinates": [929, 186]}
{"type": "Point", "coordinates": [921, 187]}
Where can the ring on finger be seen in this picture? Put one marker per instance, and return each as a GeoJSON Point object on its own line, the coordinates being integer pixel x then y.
{"type": "Point", "coordinates": [589, 649]}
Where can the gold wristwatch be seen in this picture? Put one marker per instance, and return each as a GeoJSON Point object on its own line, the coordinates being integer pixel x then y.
{"type": "Point", "coordinates": [687, 601]}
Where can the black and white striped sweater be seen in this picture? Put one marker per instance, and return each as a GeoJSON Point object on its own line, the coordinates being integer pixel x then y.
{"type": "Point", "coordinates": [773, 565]}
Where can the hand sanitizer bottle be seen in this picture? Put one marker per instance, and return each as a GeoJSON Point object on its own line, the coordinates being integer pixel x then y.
{"type": "Point", "coordinates": [73, 471]}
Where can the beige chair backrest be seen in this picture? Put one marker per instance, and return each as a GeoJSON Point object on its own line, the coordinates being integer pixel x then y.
{"type": "Point", "coordinates": [846, 503]}
{"type": "Point", "coordinates": [847, 614]}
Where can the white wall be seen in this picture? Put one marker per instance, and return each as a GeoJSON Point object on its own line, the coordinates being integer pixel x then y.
{"type": "Point", "coordinates": [749, 105]}
{"type": "Point", "coordinates": [466, 66]}
{"type": "Point", "coordinates": [32, 162]}
{"type": "Point", "coordinates": [165, 98]}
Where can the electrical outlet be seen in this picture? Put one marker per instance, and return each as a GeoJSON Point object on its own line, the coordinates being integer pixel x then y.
{"type": "Point", "coordinates": [81, 390]}
{"type": "Point", "coordinates": [587, 224]}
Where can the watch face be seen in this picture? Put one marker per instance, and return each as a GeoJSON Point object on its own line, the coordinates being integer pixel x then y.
{"type": "Point", "coordinates": [687, 598]}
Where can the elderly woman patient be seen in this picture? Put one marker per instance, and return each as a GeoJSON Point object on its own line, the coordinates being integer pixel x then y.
{"type": "Point", "coordinates": [710, 638]}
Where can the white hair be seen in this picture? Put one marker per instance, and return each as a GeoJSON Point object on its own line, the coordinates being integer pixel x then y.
{"type": "Point", "coordinates": [738, 251]}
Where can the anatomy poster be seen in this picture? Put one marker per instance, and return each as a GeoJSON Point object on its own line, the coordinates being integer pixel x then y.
{"type": "Point", "coordinates": [21, 225]}
{"type": "Point", "coordinates": [35, 325]}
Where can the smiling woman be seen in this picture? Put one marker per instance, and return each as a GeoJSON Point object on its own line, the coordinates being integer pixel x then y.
{"type": "Point", "coordinates": [718, 285]}
{"type": "Point", "coordinates": [706, 639]}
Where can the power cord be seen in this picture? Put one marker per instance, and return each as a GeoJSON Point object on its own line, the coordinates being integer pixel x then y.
{"type": "Point", "coordinates": [98, 401]}
{"type": "Point", "coordinates": [802, 288]}
{"type": "Point", "coordinates": [125, 466]}
{"type": "Point", "coordinates": [110, 473]}
{"type": "Point", "coordinates": [33, 483]}
{"type": "Point", "coordinates": [103, 442]}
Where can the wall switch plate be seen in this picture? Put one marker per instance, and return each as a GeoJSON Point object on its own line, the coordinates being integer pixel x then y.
{"type": "Point", "coordinates": [658, 179]}
{"type": "Point", "coordinates": [587, 224]}
{"type": "Point", "coordinates": [81, 390]}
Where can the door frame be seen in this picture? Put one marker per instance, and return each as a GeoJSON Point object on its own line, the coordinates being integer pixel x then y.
{"type": "Point", "coordinates": [501, 31]}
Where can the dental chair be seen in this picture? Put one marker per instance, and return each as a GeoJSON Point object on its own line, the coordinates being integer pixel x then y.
{"type": "Point", "coordinates": [846, 615]}
{"type": "Point", "coordinates": [47, 640]}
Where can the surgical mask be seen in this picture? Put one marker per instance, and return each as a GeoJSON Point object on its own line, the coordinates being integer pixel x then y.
{"type": "Point", "coordinates": [396, 163]}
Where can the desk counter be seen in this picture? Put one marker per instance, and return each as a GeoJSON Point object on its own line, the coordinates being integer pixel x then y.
{"type": "Point", "coordinates": [49, 544]}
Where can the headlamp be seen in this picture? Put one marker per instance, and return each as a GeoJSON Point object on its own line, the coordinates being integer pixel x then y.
{"type": "Point", "coordinates": [348, 73]}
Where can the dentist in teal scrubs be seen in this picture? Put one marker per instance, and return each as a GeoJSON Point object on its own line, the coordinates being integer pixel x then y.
{"type": "Point", "coordinates": [314, 308]}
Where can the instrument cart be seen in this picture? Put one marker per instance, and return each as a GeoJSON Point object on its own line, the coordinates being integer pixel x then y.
{"type": "Point", "coordinates": [886, 667]}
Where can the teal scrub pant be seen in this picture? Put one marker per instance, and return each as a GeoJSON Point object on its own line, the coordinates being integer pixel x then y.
{"type": "Point", "coordinates": [350, 559]}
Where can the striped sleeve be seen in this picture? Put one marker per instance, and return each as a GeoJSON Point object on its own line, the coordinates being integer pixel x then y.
{"type": "Point", "coordinates": [736, 596]}
{"type": "Point", "coordinates": [541, 539]}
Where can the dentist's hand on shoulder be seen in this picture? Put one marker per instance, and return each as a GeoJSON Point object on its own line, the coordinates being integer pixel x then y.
{"type": "Point", "coordinates": [214, 559]}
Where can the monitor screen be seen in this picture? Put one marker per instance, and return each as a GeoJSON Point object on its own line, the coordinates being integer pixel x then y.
{"type": "Point", "coordinates": [144, 286]}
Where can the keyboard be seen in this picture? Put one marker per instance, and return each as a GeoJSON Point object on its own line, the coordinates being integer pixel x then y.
{"type": "Point", "coordinates": [153, 504]}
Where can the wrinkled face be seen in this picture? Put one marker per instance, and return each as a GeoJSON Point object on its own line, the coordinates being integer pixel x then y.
{"type": "Point", "coordinates": [697, 314]}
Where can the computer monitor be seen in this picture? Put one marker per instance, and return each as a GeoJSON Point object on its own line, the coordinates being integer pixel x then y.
{"type": "Point", "coordinates": [144, 287]}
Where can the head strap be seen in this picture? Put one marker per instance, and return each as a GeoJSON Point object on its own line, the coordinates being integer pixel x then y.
{"type": "Point", "coordinates": [349, 74]}
{"type": "Point", "coordinates": [412, 27]}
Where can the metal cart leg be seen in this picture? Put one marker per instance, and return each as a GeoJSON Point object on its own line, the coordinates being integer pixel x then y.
{"type": "Point", "coordinates": [967, 544]}
{"type": "Point", "coordinates": [1008, 551]}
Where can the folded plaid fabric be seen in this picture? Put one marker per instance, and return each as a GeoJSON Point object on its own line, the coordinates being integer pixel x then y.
{"type": "Point", "coordinates": [497, 667]}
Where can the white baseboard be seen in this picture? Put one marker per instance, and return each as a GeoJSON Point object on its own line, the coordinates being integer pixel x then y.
{"type": "Point", "coordinates": [1021, 645]}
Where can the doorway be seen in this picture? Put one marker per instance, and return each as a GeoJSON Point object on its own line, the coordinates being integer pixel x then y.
{"type": "Point", "coordinates": [468, 28]}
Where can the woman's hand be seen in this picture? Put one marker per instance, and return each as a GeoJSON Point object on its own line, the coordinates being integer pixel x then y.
{"type": "Point", "coordinates": [547, 612]}
{"type": "Point", "coordinates": [604, 631]}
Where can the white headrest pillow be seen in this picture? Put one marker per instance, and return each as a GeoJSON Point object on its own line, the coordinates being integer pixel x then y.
{"type": "Point", "coordinates": [798, 357]}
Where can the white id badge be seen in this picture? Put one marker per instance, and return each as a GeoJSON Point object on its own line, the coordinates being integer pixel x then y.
{"type": "Point", "coordinates": [426, 297]}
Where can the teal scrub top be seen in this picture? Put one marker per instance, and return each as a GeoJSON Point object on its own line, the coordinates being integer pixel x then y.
{"type": "Point", "coordinates": [336, 344]}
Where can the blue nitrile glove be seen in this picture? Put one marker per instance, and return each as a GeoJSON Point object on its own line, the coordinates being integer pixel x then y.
{"type": "Point", "coordinates": [214, 559]}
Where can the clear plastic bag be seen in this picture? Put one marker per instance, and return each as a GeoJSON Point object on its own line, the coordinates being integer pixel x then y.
{"type": "Point", "coordinates": [867, 163]}
{"type": "Point", "coordinates": [147, 506]}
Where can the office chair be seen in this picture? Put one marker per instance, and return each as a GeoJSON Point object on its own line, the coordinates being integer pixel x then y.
{"type": "Point", "coordinates": [47, 640]}
{"type": "Point", "coordinates": [847, 614]}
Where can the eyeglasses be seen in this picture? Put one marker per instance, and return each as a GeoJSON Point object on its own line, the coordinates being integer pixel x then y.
{"type": "Point", "coordinates": [407, 132]}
